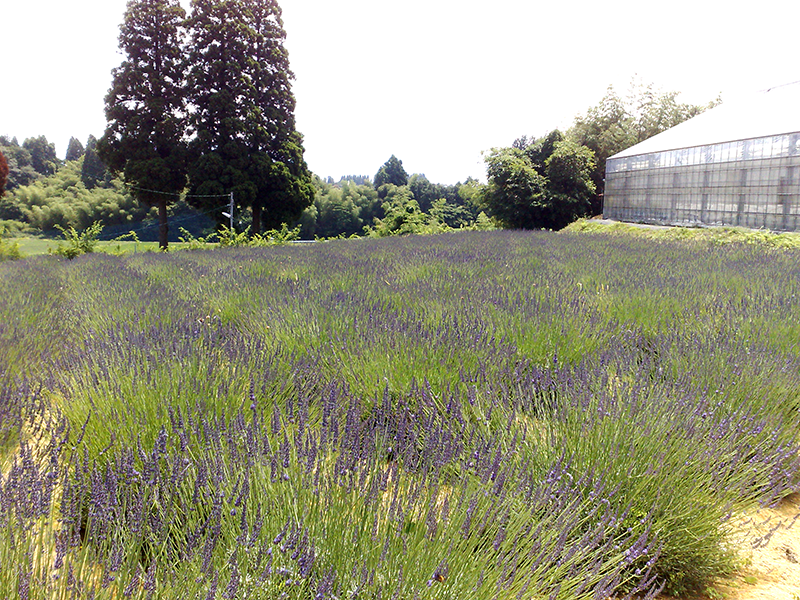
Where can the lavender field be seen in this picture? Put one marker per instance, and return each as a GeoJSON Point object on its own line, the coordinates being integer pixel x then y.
{"type": "Point", "coordinates": [478, 415]}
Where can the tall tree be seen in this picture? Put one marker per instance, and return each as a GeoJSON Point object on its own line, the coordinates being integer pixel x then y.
{"type": "Point", "coordinates": [93, 170]}
{"type": "Point", "coordinates": [43, 155]}
{"type": "Point", "coordinates": [391, 171]}
{"type": "Point", "coordinates": [74, 149]}
{"type": "Point", "coordinates": [145, 108]}
{"type": "Point", "coordinates": [3, 174]}
{"type": "Point", "coordinates": [242, 117]}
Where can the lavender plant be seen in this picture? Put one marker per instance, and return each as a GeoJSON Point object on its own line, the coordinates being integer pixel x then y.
{"type": "Point", "coordinates": [483, 414]}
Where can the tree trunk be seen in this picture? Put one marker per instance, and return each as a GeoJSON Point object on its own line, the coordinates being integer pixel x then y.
{"type": "Point", "coordinates": [255, 228]}
{"type": "Point", "coordinates": [163, 226]}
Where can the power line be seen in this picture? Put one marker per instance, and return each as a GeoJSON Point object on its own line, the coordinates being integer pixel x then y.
{"type": "Point", "coordinates": [138, 189]}
{"type": "Point", "coordinates": [173, 221]}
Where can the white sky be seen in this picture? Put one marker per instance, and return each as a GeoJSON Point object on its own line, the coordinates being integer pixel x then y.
{"type": "Point", "coordinates": [435, 82]}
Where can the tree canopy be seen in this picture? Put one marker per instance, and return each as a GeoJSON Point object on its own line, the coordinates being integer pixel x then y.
{"type": "Point", "coordinates": [20, 164]}
{"type": "Point", "coordinates": [43, 155]}
{"type": "Point", "coordinates": [74, 149]}
{"type": "Point", "coordinates": [354, 207]}
{"type": "Point", "coordinates": [239, 87]}
{"type": "Point", "coordinates": [62, 199]}
{"type": "Point", "coordinates": [93, 170]}
{"type": "Point", "coordinates": [392, 172]}
{"type": "Point", "coordinates": [539, 183]}
{"type": "Point", "coordinates": [144, 138]}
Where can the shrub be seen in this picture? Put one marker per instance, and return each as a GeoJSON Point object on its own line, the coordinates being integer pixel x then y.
{"type": "Point", "coordinates": [78, 243]}
{"type": "Point", "coordinates": [8, 250]}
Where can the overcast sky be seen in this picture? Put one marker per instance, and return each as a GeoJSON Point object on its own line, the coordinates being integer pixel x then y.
{"type": "Point", "coordinates": [434, 82]}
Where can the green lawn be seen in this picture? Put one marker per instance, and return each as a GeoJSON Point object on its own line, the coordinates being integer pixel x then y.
{"type": "Point", "coordinates": [31, 246]}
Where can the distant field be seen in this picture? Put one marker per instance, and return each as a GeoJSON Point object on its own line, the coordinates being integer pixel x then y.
{"type": "Point", "coordinates": [475, 415]}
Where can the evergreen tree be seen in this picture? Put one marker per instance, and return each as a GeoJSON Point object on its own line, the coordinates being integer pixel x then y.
{"type": "Point", "coordinates": [43, 155]}
{"type": "Point", "coordinates": [145, 107]}
{"type": "Point", "coordinates": [245, 139]}
{"type": "Point", "coordinates": [93, 170]}
{"type": "Point", "coordinates": [74, 149]}
{"type": "Point", "coordinates": [392, 172]}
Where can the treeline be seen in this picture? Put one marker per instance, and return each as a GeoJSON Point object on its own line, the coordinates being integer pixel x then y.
{"type": "Point", "coordinates": [44, 192]}
{"type": "Point", "coordinates": [536, 182]}
{"type": "Point", "coordinates": [544, 182]}
{"type": "Point", "coordinates": [390, 203]}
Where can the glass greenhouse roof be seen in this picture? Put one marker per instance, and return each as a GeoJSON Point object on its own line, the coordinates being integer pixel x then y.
{"type": "Point", "coordinates": [773, 112]}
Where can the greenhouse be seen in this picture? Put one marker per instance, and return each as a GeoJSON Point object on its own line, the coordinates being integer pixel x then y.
{"type": "Point", "coordinates": [736, 164]}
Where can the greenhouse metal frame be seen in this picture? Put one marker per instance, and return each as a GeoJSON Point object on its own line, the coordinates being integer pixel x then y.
{"type": "Point", "coordinates": [750, 182]}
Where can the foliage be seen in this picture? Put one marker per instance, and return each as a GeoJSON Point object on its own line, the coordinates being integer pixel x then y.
{"type": "Point", "coordinates": [78, 242]}
{"type": "Point", "coordinates": [617, 123]}
{"type": "Point", "coordinates": [232, 238]}
{"type": "Point", "coordinates": [13, 227]}
{"type": "Point", "coordinates": [451, 214]}
{"type": "Point", "coordinates": [355, 179]}
{"type": "Point", "coordinates": [243, 111]}
{"type": "Point", "coordinates": [482, 223]}
{"type": "Point", "coordinates": [391, 172]}
{"type": "Point", "coordinates": [9, 250]}
{"type": "Point", "coordinates": [275, 237]}
{"type": "Point", "coordinates": [226, 237]}
{"type": "Point", "coordinates": [523, 414]}
{"type": "Point", "coordinates": [75, 150]}
{"type": "Point", "coordinates": [192, 242]}
{"type": "Point", "coordinates": [93, 170]}
{"type": "Point", "coordinates": [43, 155]}
{"type": "Point", "coordinates": [3, 174]}
{"type": "Point", "coordinates": [341, 209]}
{"type": "Point", "coordinates": [444, 202]}
{"type": "Point", "coordinates": [338, 210]}
{"type": "Point", "coordinates": [349, 208]}
{"type": "Point", "coordinates": [20, 167]}
{"type": "Point", "coordinates": [540, 183]}
{"type": "Point", "coordinates": [145, 108]}
{"type": "Point", "coordinates": [63, 199]}
{"type": "Point", "coordinates": [402, 215]}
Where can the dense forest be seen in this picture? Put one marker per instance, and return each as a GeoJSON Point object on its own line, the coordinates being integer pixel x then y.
{"type": "Point", "coordinates": [536, 182]}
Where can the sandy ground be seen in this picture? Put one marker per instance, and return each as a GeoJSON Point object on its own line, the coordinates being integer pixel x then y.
{"type": "Point", "coordinates": [771, 551]}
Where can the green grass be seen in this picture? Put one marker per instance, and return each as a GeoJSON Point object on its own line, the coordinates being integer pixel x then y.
{"type": "Point", "coordinates": [712, 235]}
{"type": "Point", "coordinates": [33, 246]}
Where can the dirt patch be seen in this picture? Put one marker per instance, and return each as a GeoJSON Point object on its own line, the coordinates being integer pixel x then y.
{"type": "Point", "coordinates": [771, 551]}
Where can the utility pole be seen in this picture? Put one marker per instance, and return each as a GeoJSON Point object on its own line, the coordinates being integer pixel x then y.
{"type": "Point", "coordinates": [229, 214]}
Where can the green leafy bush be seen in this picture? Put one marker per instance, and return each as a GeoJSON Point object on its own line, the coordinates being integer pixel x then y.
{"type": "Point", "coordinates": [8, 250]}
{"type": "Point", "coordinates": [230, 238]}
{"type": "Point", "coordinates": [84, 242]}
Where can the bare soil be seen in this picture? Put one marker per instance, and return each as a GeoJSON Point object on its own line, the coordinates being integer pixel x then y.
{"type": "Point", "coordinates": [770, 548]}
